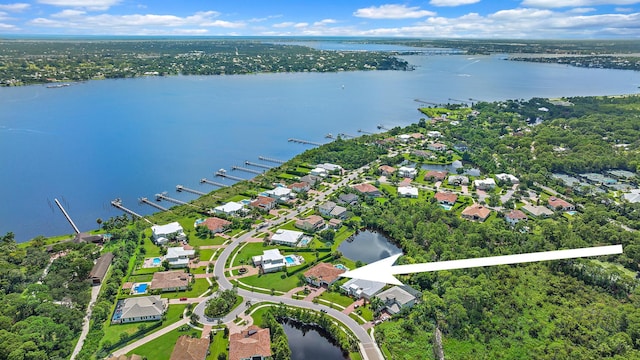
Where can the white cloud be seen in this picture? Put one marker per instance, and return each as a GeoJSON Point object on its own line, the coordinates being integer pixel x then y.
{"type": "Point", "coordinates": [68, 13]}
{"type": "Point", "coordinates": [7, 27]}
{"type": "Point", "coordinates": [623, 9]}
{"type": "Point", "coordinates": [581, 10]}
{"type": "Point", "coordinates": [224, 24]}
{"type": "Point", "coordinates": [575, 3]}
{"type": "Point", "coordinates": [392, 11]}
{"type": "Point", "coordinates": [452, 2]}
{"type": "Point", "coordinates": [324, 22]}
{"type": "Point", "coordinates": [17, 7]}
{"type": "Point", "coordinates": [284, 24]}
{"type": "Point", "coordinates": [301, 25]}
{"type": "Point", "coordinates": [98, 5]}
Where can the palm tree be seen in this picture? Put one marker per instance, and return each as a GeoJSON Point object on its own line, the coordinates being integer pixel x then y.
{"type": "Point", "coordinates": [99, 221]}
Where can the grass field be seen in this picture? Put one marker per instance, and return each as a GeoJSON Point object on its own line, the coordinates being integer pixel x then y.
{"type": "Point", "coordinates": [218, 346]}
{"type": "Point", "coordinates": [161, 348]}
{"type": "Point", "coordinates": [272, 280]}
{"type": "Point", "coordinates": [200, 286]}
{"type": "Point", "coordinates": [112, 331]}
{"type": "Point", "coordinates": [336, 297]}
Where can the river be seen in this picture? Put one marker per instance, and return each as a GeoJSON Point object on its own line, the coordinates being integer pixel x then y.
{"type": "Point", "coordinates": [91, 142]}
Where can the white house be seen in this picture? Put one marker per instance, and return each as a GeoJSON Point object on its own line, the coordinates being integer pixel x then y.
{"type": "Point", "coordinates": [146, 308]}
{"type": "Point", "coordinates": [434, 134]}
{"type": "Point", "coordinates": [179, 257]}
{"type": "Point", "coordinates": [404, 137]}
{"type": "Point", "coordinates": [163, 233]}
{"type": "Point", "coordinates": [359, 288]}
{"type": "Point", "coordinates": [321, 172]}
{"type": "Point", "coordinates": [507, 178]}
{"type": "Point", "coordinates": [484, 184]}
{"type": "Point", "coordinates": [408, 191]}
{"type": "Point", "coordinates": [398, 297]}
{"type": "Point", "coordinates": [407, 172]}
{"type": "Point", "coordinates": [330, 167]}
{"type": "Point", "coordinates": [282, 194]}
{"type": "Point", "coordinates": [270, 260]}
{"type": "Point", "coordinates": [286, 237]}
{"type": "Point", "coordinates": [230, 208]}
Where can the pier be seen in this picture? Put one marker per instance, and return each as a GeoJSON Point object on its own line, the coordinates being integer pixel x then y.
{"type": "Point", "coordinates": [144, 200]}
{"type": "Point", "coordinates": [365, 132]}
{"type": "Point", "coordinates": [207, 181]}
{"type": "Point", "coordinates": [264, 158]}
{"type": "Point", "coordinates": [180, 188]}
{"type": "Point", "coordinates": [382, 127]}
{"type": "Point", "coordinates": [247, 170]}
{"type": "Point", "coordinates": [64, 212]}
{"type": "Point", "coordinates": [163, 196]}
{"type": "Point", "coordinates": [257, 165]}
{"type": "Point", "coordinates": [346, 136]}
{"type": "Point", "coordinates": [306, 142]}
{"type": "Point", "coordinates": [117, 203]}
{"type": "Point", "coordinates": [426, 102]}
{"type": "Point", "coordinates": [223, 173]}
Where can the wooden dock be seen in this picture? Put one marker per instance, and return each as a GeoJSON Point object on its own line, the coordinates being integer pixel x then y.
{"type": "Point", "coordinates": [240, 168]}
{"type": "Point", "coordinates": [117, 203]}
{"type": "Point", "coordinates": [207, 181]}
{"type": "Point", "coordinates": [223, 173]}
{"type": "Point", "coordinates": [163, 196]}
{"type": "Point", "coordinates": [64, 212]}
{"type": "Point", "coordinates": [306, 142]}
{"type": "Point", "coordinates": [144, 200]}
{"type": "Point", "coordinates": [264, 158]}
{"type": "Point", "coordinates": [180, 188]}
{"type": "Point", "coordinates": [257, 165]}
{"type": "Point", "coordinates": [365, 132]}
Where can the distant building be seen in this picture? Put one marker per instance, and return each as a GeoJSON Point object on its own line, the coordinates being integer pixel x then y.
{"type": "Point", "coordinates": [163, 233]}
{"type": "Point", "coordinates": [100, 268]}
{"type": "Point", "coordinates": [484, 184]}
{"type": "Point", "coordinates": [286, 237]}
{"type": "Point", "coordinates": [335, 223]}
{"type": "Point", "coordinates": [535, 210]}
{"type": "Point", "coordinates": [300, 187]}
{"type": "Point", "coordinates": [507, 178]}
{"type": "Point", "coordinates": [321, 172]}
{"type": "Point", "coordinates": [230, 208]}
{"type": "Point", "coordinates": [386, 170]}
{"type": "Point", "coordinates": [437, 147]}
{"type": "Point", "coordinates": [323, 274]}
{"type": "Point", "coordinates": [408, 191]}
{"type": "Point", "coordinates": [281, 194]}
{"type": "Point", "coordinates": [188, 348]}
{"type": "Point", "coordinates": [325, 208]}
{"type": "Point", "coordinates": [458, 180]}
{"type": "Point", "coordinates": [251, 344]}
{"type": "Point", "coordinates": [145, 308]}
{"type": "Point", "coordinates": [407, 172]}
{"type": "Point", "coordinates": [175, 280]}
{"type": "Point", "coordinates": [348, 199]}
{"type": "Point", "coordinates": [476, 212]}
{"type": "Point", "coordinates": [434, 134]}
{"type": "Point", "coordinates": [339, 212]}
{"type": "Point", "coordinates": [264, 203]}
{"type": "Point", "coordinates": [270, 261]}
{"type": "Point", "coordinates": [310, 179]}
{"type": "Point", "coordinates": [367, 189]}
{"type": "Point", "coordinates": [310, 223]}
{"type": "Point", "coordinates": [330, 167]}
{"type": "Point", "coordinates": [632, 196]}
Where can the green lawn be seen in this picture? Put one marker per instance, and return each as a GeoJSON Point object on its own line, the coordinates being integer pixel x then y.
{"type": "Point", "coordinates": [250, 250]}
{"type": "Point", "coordinates": [272, 280]}
{"type": "Point", "coordinates": [336, 297]}
{"type": "Point", "coordinates": [197, 241]}
{"type": "Point", "coordinates": [151, 249]}
{"type": "Point", "coordinates": [200, 286]}
{"type": "Point", "coordinates": [200, 270]}
{"type": "Point", "coordinates": [206, 254]}
{"type": "Point", "coordinates": [140, 278]}
{"type": "Point", "coordinates": [291, 225]}
{"type": "Point", "coordinates": [161, 348]}
{"type": "Point", "coordinates": [218, 346]}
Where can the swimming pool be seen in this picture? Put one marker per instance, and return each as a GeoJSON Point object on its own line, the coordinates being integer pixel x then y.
{"type": "Point", "coordinates": [140, 288]}
{"type": "Point", "coordinates": [157, 261]}
{"type": "Point", "coordinates": [571, 213]}
{"type": "Point", "coordinates": [341, 267]}
{"type": "Point", "coordinates": [290, 260]}
{"type": "Point", "coordinates": [305, 240]}
{"type": "Point", "coordinates": [446, 207]}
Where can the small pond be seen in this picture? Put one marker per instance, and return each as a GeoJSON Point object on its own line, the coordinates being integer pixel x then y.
{"type": "Point", "coordinates": [368, 246]}
{"type": "Point", "coordinates": [308, 343]}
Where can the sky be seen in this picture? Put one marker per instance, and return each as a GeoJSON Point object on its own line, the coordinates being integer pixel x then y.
{"type": "Point", "coordinates": [431, 19]}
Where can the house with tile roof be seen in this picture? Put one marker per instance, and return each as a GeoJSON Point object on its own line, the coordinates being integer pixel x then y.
{"type": "Point", "coordinates": [145, 308]}
{"type": "Point", "coordinates": [446, 198]}
{"type": "Point", "coordinates": [367, 189]}
{"type": "Point", "coordinates": [253, 343]}
{"type": "Point", "coordinates": [555, 203]}
{"type": "Point", "coordinates": [386, 170]}
{"type": "Point", "coordinates": [323, 274]}
{"type": "Point", "coordinates": [476, 212]}
{"type": "Point", "coordinates": [515, 216]}
{"type": "Point", "coordinates": [215, 224]}
{"type": "Point", "coordinates": [264, 203]}
{"type": "Point", "coordinates": [175, 280]}
{"type": "Point", "coordinates": [188, 348]}
{"type": "Point", "coordinates": [310, 223]}
{"type": "Point", "coordinates": [435, 175]}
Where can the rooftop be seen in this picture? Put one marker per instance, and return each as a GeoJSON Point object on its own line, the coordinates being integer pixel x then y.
{"type": "Point", "coordinates": [215, 224]}
{"type": "Point", "coordinates": [249, 343]}
{"type": "Point", "coordinates": [325, 272]}
{"type": "Point", "coordinates": [188, 348]}
{"type": "Point", "coordinates": [169, 279]}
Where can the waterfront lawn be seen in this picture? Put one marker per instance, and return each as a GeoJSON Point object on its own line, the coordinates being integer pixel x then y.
{"type": "Point", "coordinates": [272, 280]}
{"type": "Point", "coordinates": [218, 346]}
{"type": "Point", "coordinates": [355, 356]}
{"type": "Point", "coordinates": [151, 249]}
{"type": "Point", "coordinates": [197, 289]}
{"type": "Point", "coordinates": [336, 297]}
{"type": "Point", "coordinates": [161, 348]}
{"type": "Point", "coordinates": [236, 198]}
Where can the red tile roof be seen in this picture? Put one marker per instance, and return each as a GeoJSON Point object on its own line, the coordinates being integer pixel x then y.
{"type": "Point", "coordinates": [446, 196]}
{"type": "Point", "coordinates": [325, 272]}
{"type": "Point", "coordinates": [216, 224]}
{"type": "Point", "coordinates": [251, 342]}
{"type": "Point", "coordinates": [554, 202]}
{"type": "Point", "coordinates": [188, 348]}
{"type": "Point", "coordinates": [263, 202]}
{"type": "Point", "coordinates": [476, 211]}
{"type": "Point", "coordinates": [438, 175]}
{"type": "Point", "coordinates": [366, 188]}
{"type": "Point", "coordinates": [516, 215]}
{"type": "Point", "coordinates": [386, 168]}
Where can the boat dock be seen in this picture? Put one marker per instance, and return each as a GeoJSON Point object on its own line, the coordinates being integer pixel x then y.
{"type": "Point", "coordinates": [64, 212]}
{"type": "Point", "coordinates": [306, 142]}
{"type": "Point", "coordinates": [247, 170]}
{"type": "Point", "coordinates": [163, 196]}
{"type": "Point", "coordinates": [207, 181]}
{"type": "Point", "coordinates": [264, 158]}
{"type": "Point", "coordinates": [180, 188]}
{"type": "Point", "coordinates": [365, 132]}
{"type": "Point", "coordinates": [382, 127]}
{"type": "Point", "coordinates": [223, 173]}
{"type": "Point", "coordinates": [144, 200]}
{"type": "Point", "coordinates": [346, 136]}
{"type": "Point", "coordinates": [257, 165]}
{"type": "Point", "coordinates": [117, 203]}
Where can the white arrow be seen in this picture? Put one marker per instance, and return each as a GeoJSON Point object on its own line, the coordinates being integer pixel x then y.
{"type": "Point", "coordinates": [383, 270]}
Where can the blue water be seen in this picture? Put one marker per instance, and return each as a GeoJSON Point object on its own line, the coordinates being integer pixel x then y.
{"type": "Point", "coordinates": [140, 288]}
{"type": "Point", "coordinates": [368, 246]}
{"type": "Point", "coordinates": [157, 261]}
{"type": "Point", "coordinates": [289, 260]}
{"type": "Point", "coordinates": [446, 207]}
{"type": "Point", "coordinates": [89, 143]}
{"type": "Point", "coordinates": [341, 267]}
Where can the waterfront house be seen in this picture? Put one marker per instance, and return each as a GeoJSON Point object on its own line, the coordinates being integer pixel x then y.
{"type": "Point", "coordinates": [335, 223]}
{"type": "Point", "coordinates": [310, 223]}
{"type": "Point", "coordinates": [300, 187]}
{"type": "Point", "coordinates": [462, 147]}
{"type": "Point", "coordinates": [476, 212]}
{"type": "Point", "coordinates": [253, 343]}
{"type": "Point", "coordinates": [171, 231]}
{"type": "Point", "coordinates": [446, 198]}
{"type": "Point", "coordinates": [515, 216]}
{"type": "Point", "coordinates": [231, 208]}
{"type": "Point", "coordinates": [362, 289]}
{"type": "Point", "coordinates": [408, 191]}
{"type": "Point", "coordinates": [535, 210]}
{"type": "Point", "coordinates": [99, 270]}
{"type": "Point", "coordinates": [339, 212]}
{"type": "Point", "coordinates": [325, 208]}
{"type": "Point", "coordinates": [399, 297]}
{"type": "Point", "coordinates": [178, 257]}
{"type": "Point", "coordinates": [190, 348]}
{"type": "Point", "coordinates": [215, 224]}
{"type": "Point", "coordinates": [367, 189]}
{"type": "Point", "coordinates": [484, 184]}
{"type": "Point", "coordinates": [281, 194]}
{"type": "Point", "coordinates": [458, 180]}
{"type": "Point", "coordinates": [435, 175]}
{"type": "Point", "coordinates": [407, 172]}
{"type": "Point", "coordinates": [286, 237]}
{"type": "Point", "coordinates": [145, 308]}
{"type": "Point", "coordinates": [323, 274]}
{"type": "Point", "coordinates": [263, 203]}
{"type": "Point", "coordinates": [555, 203]}
{"type": "Point", "coordinates": [507, 178]}
{"type": "Point", "coordinates": [175, 280]}
{"type": "Point", "coordinates": [269, 261]}
{"type": "Point", "coordinates": [331, 168]}
{"type": "Point", "coordinates": [320, 172]}
{"type": "Point", "coordinates": [386, 170]}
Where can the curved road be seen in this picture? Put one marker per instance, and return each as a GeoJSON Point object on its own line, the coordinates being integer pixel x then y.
{"type": "Point", "coordinates": [369, 348]}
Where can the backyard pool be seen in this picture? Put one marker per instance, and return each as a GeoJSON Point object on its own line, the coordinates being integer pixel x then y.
{"type": "Point", "coordinates": [305, 240]}
{"type": "Point", "coordinates": [571, 213]}
{"type": "Point", "coordinates": [157, 261]}
{"type": "Point", "coordinates": [139, 288]}
{"type": "Point", "coordinates": [341, 267]}
{"type": "Point", "coordinates": [292, 260]}
{"type": "Point", "coordinates": [446, 207]}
